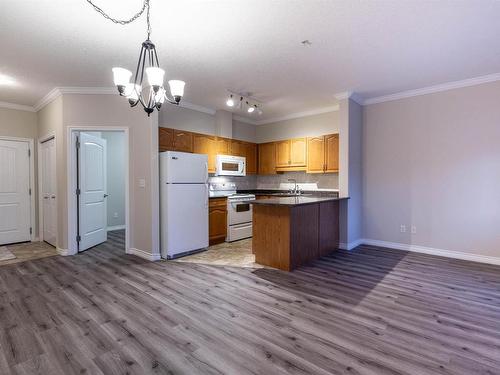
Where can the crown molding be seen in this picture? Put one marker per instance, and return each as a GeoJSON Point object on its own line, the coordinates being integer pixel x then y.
{"type": "Point", "coordinates": [18, 107]}
{"type": "Point", "coordinates": [293, 116]}
{"type": "Point", "coordinates": [350, 95]}
{"type": "Point", "coordinates": [48, 98]}
{"type": "Point", "coordinates": [433, 89]}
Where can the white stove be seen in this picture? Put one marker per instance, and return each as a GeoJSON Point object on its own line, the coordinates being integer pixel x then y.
{"type": "Point", "coordinates": [239, 210]}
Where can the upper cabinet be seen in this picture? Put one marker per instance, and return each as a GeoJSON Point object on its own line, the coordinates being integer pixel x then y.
{"type": "Point", "coordinates": [323, 154]}
{"type": "Point", "coordinates": [331, 153]}
{"type": "Point", "coordinates": [267, 158]}
{"type": "Point", "coordinates": [313, 155]}
{"type": "Point", "coordinates": [206, 144]}
{"type": "Point", "coordinates": [291, 154]}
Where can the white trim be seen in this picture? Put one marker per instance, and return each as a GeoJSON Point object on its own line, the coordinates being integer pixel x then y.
{"type": "Point", "coordinates": [349, 95]}
{"type": "Point", "coordinates": [31, 147]}
{"type": "Point", "coordinates": [18, 107]}
{"type": "Point", "coordinates": [433, 89]}
{"type": "Point", "coordinates": [155, 188]}
{"type": "Point", "coordinates": [65, 252]}
{"type": "Point", "coordinates": [115, 227]}
{"type": "Point", "coordinates": [144, 254]}
{"type": "Point", "coordinates": [350, 245]}
{"type": "Point", "coordinates": [47, 99]}
{"type": "Point", "coordinates": [41, 140]}
{"type": "Point", "coordinates": [434, 251]}
{"type": "Point", "coordinates": [71, 173]}
{"type": "Point", "coordinates": [292, 116]}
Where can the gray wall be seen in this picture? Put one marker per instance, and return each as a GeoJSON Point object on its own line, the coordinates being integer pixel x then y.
{"type": "Point", "coordinates": [244, 131]}
{"type": "Point", "coordinates": [325, 123]}
{"type": "Point", "coordinates": [186, 119]}
{"type": "Point", "coordinates": [116, 177]}
{"type": "Point", "coordinates": [433, 161]}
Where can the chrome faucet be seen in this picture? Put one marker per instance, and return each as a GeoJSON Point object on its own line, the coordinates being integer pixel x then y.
{"type": "Point", "coordinates": [295, 190]}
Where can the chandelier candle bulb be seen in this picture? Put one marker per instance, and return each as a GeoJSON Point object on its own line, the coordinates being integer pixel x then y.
{"type": "Point", "coordinates": [176, 89]}
{"type": "Point", "coordinates": [155, 77]}
{"type": "Point", "coordinates": [121, 77]}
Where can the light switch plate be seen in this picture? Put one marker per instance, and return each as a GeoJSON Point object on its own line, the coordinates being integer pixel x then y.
{"type": "Point", "coordinates": [142, 183]}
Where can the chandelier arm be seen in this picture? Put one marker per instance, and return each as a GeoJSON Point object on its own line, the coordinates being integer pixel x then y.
{"type": "Point", "coordinates": [138, 66]}
{"type": "Point", "coordinates": [143, 65]}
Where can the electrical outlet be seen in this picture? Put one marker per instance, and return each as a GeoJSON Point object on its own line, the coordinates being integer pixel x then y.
{"type": "Point", "coordinates": [142, 183]}
{"type": "Point", "coordinates": [402, 228]}
{"type": "Point", "coordinates": [413, 229]}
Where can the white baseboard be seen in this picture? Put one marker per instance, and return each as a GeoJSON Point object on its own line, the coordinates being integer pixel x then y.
{"type": "Point", "coordinates": [350, 245]}
{"type": "Point", "coordinates": [115, 227]}
{"type": "Point", "coordinates": [144, 254]}
{"type": "Point", "coordinates": [433, 251]}
{"type": "Point", "coordinates": [64, 252]}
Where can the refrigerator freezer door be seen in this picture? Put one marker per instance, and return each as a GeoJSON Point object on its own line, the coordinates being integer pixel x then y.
{"type": "Point", "coordinates": [183, 168]}
{"type": "Point", "coordinates": [184, 218]}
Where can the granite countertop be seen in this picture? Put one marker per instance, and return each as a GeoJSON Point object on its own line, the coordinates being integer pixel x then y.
{"type": "Point", "coordinates": [295, 201]}
{"type": "Point", "coordinates": [276, 190]}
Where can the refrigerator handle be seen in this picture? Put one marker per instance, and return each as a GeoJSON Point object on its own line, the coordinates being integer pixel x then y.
{"type": "Point", "coordinates": [206, 169]}
{"type": "Point", "coordinates": [206, 196]}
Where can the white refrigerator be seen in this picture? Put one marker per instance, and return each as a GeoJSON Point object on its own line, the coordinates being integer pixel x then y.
{"type": "Point", "coordinates": [184, 203]}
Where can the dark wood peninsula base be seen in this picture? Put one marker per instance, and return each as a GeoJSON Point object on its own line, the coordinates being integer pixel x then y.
{"type": "Point", "coordinates": [289, 232]}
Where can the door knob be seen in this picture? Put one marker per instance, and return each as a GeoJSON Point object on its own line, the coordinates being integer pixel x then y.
{"type": "Point", "coordinates": [53, 196]}
{"type": "Point", "coordinates": [106, 195]}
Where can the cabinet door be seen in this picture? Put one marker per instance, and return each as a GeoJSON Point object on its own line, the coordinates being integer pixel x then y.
{"type": "Point", "coordinates": [298, 152]}
{"type": "Point", "coordinates": [283, 153]}
{"type": "Point", "coordinates": [267, 158]}
{"type": "Point", "coordinates": [331, 153]}
{"type": "Point", "coordinates": [223, 146]}
{"type": "Point", "coordinates": [316, 154]}
{"type": "Point", "coordinates": [165, 139]}
{"type": "Point", "coordinates": [251, 156]}
{"type": "Point", "coordinates": [217, 224]}
{"type": "Point", "coordinates": [237, 148]}
{"type": "Point", "coordinates": [183, 141]}
{"type": "Point", "coordinates": [205, 144]}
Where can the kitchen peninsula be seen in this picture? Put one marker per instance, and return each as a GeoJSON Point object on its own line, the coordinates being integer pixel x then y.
{"type": "Point", "coordinates": [289, 232]}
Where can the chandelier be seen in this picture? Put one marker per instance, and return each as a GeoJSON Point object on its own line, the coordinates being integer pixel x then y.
{"type": "Point", "coordinates": [154, 94]}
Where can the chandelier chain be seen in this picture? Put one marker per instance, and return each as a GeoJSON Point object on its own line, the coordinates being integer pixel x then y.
{"type": "Point", "coordinates": [145, 6]}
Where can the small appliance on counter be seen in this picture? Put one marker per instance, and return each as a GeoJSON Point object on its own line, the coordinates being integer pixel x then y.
{"type": "Point", "coordinates": [183, 203]}
{"type": "Point", "coordinates": [227, 165]}
{"type": "Point", "coordinates": [239, 210]}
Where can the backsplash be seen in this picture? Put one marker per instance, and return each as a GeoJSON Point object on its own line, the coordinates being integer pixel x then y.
{"type": "Point", "coordinates": [324, 181]}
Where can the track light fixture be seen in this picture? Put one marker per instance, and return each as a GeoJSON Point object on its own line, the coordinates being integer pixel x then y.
{"type": "Point", "coordinates": [245, 102]}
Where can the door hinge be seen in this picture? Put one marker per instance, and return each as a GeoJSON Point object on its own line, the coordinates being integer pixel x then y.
{"type": "Point", "coordinates": [78, 238]}
{"type": "Point", "coordinates": [77, 191]}
{"type": "Point", "coordinates": [31, 230]}
{"type": "Point", "coordinates": [29, 191]}
{"type": "Point", "coordinates": [29, 152]}
{"type": "Point", "coordinates": [77, 142]}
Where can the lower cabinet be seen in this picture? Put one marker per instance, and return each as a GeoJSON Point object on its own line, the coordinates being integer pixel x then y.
{"type": "Point", "coordinates": [217, 220]}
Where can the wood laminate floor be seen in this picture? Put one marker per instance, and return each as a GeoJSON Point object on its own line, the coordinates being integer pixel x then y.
{"type": "Point", "coordinates": [29, 250]}
{"type": "Point", "coordinates": [368, 311]}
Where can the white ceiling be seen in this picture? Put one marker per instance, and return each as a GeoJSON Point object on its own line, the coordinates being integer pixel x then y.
{"type": "Point", "coordinates": [373, 48]}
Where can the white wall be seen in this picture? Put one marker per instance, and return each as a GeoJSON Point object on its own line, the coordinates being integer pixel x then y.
{"type": "Point", "coordinates": [325, 123]}
{"type": "Point", "coordinates": [433, 161]}
{"type": "Point", "coordinates": [186, 119]}
{"type": "Point", "coordinates": [115, 177]}
{"type": "Point", "coordinates": [244, 132]}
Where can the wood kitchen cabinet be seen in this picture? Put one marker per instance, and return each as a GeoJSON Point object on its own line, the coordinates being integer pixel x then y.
{"type": "Point", "coordinates": [183, 141]}
{"type": "Point", "coordinates": [237, 148]}
{"type": "Point", "coordinates": [291, 154]}
{"type": "Point", "coordinates": [217, 220]}
{"type": "Point", "coordinates": [205, 144]}
{"type": "Point", "coordinates": [165, 139]}
{"type": "Point", "coordinates": [331, 153]}
{"type": "Point", "coordinates": [223, 146]}
{"type": "Point", "coordinates": [251, 157]}
{"type": "Point", "coordinates": [323, 154]}
{"type": "Point", "coordinates": [267, 158]}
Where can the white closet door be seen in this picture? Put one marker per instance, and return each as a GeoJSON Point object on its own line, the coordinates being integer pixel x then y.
{"type": "Point", "coordinates": [48, 185]}
{"type": "Point", "coordinates": [15, 203]}
{"type": "Point", "coordinates": [92, 184]}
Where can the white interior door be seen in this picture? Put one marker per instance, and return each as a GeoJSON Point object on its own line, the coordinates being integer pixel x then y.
{"type": "Point", "coordinates": [92, 184]}
{"type": "Point", "coordinates": [48, 186]}
{"type": "Point", "coordinates": [15, 205]}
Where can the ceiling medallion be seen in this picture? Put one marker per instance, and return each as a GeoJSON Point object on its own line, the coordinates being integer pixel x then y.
{"type": "Point", "coordinates": [154, 95]}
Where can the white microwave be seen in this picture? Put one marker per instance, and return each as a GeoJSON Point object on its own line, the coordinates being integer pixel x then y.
{"type": "Point", "coordinates": [227, 165]}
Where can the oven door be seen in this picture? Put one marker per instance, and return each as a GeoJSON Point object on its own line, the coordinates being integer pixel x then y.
{"type": "Point", "coordinates": [239, 212]}
{"type": "Point", "coordinates": [230, 166]}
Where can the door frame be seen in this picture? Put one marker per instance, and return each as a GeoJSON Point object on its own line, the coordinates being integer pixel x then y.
{"type": "Point", "coordinates": [41, 140]}
{"type": "Point", "coordinates": [72, 183]}
{"type": "Point", "coordinates": [31, 146]}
